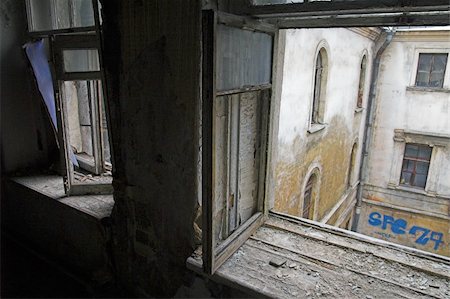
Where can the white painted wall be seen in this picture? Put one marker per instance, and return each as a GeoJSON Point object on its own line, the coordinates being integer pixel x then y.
{"type": "Point", "coordinates": [297, 149]}
{"type": "Point", "coordinates": [401, 108]}
{"type": "Point", "coordinates": [345, 50]}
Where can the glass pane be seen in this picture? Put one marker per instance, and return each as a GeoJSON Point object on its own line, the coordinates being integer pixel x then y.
{"type": "Point", "coordinates": [411, 150]}
{"type": "Point", "coordinates": [425, 152]}
{"type": "Point", "coordinates": [422, 167]}
{"type": "Point", "coordinates": [436, 79]}
{"type": "Point", "coordinates": [41, 12]}
{"type": "Point", "coordinates": [425, 62]}
{"type": "Point", "coordinates": [60, 14]}
{"type": "Point", "coordinates": [244, 58]}
{"type": "Point", "coordinates": [405, 178]}
{"type": "Point", "coordinates": [423, 78]}
{"type": "Point", "coordinates": [420, 180]}
{"type": "Point", "coordinates": [83, 13]}
{"type": "Point", "coordinates": [440, 62]}
{"type": "Point", "coordinates": [408, 165]}
{"type": "Point", "coordinates": [81, 60]}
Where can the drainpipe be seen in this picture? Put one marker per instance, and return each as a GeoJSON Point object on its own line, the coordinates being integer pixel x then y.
{"type": "Point", "coordinates": [370, 117]}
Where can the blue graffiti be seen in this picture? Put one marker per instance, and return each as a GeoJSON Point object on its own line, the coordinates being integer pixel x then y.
{"type": "Point", "coordinates": [400, 227]}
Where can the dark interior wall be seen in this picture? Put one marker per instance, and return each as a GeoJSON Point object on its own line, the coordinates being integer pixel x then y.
{"type": "Point", "coordinates": [152, 58]}
{"type": "Point", "coordinates": [26, 135]}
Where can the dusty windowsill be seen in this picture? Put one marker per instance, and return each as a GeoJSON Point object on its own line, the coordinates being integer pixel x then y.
{"type": "Point", "coordinates": [320, 260]}
{"type": "Point", "coordinates": [52, 187]}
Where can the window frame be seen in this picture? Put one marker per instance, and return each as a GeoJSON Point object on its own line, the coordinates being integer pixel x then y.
{"type": "Point", "coordinates": [362, 82]}
{"type": "Point", "coordinates": [414, 68]}
{"type": "Point", "coordinates": [319, 89]}
{"type": "Point", "coordinates": [213, 256]}
{"type": "Point", "coordinates": [431, 69]}
{"type": "Point", "coordinates": [79, 38]}
{"type": "Point", "coordinates": [208, 91]}
{"type": "Point", "coordinates": [415, 159]}
{"type": "Point", "coordinates": [438, 142]}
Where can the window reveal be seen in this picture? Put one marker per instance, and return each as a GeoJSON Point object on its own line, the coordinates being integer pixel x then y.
{"type": "Point", "coordinates": [307, 198]}
{"type": "Point", "coordinates": [416, 162]}
{"type": "Point", "coordinates": [362, 79]}
{"type": "Point", "coordinates": [431, 69]}
{"type": "Point", "coordinates": [320, 80]}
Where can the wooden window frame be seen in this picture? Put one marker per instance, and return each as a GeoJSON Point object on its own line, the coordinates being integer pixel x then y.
{"type": "Point", "coordinates": [79, 38]}
{"type": "Point", "coordinates": [415, 160]}
{"type": "Point", "coordinates": [213, 256]}
{"type": "Point", "coordinates": [433, 54]}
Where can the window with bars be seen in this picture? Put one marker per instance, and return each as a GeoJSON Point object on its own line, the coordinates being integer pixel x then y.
{"type": "Point", "coordinates": [416, 162]}
{"type": "Point", "coordinates": [431, 70]}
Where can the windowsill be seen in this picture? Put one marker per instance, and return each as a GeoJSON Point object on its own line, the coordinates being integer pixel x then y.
{"type": "Point", "coordinates": [427, 89]}
{"type": "Point", "coordinates": [411, 190]}
{"type": "Point", "coordinates": [52, 187]}
{"type": "Point", "coordinates": [327, 254]}
{"type": "Point", "coordinates": [316, 128]}
{"type": "Point", "coordinates": [359, 109]}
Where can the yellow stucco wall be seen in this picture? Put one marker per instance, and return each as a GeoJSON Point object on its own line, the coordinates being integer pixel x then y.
{"type": "Point", "coordinates": [331, 150]}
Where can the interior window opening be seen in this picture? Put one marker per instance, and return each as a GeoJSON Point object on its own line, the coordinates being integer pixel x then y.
{"type": "Point", "coordinates": [75, 87]}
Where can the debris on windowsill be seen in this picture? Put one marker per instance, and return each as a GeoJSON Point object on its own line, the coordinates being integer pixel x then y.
{"type": "Point", "coordinates": [276, 262]}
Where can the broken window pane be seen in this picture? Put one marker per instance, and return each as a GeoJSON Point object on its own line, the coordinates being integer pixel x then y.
{"type": "Point", "coordinates": [81, 60]}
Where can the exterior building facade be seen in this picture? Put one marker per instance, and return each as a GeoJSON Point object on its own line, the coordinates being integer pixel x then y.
{"type": "Point", "coordinates": [406, 195]}
{"type": "Point", "coordinates": [324, 92]}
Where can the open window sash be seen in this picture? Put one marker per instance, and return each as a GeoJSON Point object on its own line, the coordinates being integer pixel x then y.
{"type": "Point", "coordinates": [236, 91]}
{"type": "Point", "coordinates": [81, 114]}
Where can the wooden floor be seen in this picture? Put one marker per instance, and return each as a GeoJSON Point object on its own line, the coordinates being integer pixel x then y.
{"type": "Point", "coordinates": [319, 261]}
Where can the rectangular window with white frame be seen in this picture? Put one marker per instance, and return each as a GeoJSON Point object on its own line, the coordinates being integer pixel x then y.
{"type": "Point", "coordinates": [431, 70]}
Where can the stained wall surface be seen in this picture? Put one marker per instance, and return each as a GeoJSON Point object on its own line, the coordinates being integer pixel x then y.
{"type": "Point", "coordinates": [301, 150]}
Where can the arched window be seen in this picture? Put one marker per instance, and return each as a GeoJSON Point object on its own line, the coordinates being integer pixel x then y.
{"type": "Point", "coordinates": [351, 167]}
{"type": "Point", "coordinates": [309, 197]}
{"type": "Point", "coordinates": [362, 81]}
{"type": "Point", "coordinates": [320, 82]}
